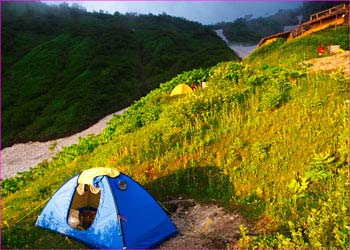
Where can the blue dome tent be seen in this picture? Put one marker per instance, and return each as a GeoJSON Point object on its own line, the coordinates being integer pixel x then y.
{"type": "Point", "coordinates": [107, 209]}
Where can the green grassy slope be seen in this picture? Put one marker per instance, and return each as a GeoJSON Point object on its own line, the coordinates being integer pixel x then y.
{"type": "Point", "coordinates": [269, 140]}
{"type": "Point", "coordinates": [75, 67]}
{"type": "Point", "coordinates": [296, 51]}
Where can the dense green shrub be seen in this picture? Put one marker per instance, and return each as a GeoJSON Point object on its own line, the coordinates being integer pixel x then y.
{"type": "Point", "coordinates": [97, 64]}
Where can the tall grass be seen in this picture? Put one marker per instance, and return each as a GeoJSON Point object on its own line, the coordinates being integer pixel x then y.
{"type": "Point", "coordinates": [267, 140]}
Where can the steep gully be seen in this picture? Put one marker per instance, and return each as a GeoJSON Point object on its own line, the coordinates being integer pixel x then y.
{"type": "Point", "coordinates": [242, 50]}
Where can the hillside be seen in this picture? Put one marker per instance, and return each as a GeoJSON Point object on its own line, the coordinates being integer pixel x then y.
{"type": "Point", "coordinates": [299, 50]}
{"type": "Point", "coordinates": [64, 68]}
{"type": "Point", "coordinates": [266, 138]}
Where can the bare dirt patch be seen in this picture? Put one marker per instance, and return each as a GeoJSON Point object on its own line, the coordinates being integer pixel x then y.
{"type": "Point", "coordinates": [203, 226]}
{"type": "Point", "coordinates": [331, 63]}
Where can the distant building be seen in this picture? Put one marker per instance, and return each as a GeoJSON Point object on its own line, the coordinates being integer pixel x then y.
{"type": "Point", "coordinates": [334, 16]}
{"type": "Point", "coordinates": [289, 28]}
{"type": "Point", "coordinates": [337, 15]}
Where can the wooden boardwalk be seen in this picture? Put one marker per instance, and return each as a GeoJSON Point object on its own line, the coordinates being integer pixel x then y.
{"type": "Point", "coordinates": [335, 16]}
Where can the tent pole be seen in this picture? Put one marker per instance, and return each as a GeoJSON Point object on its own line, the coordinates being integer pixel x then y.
{"type": "Point", "coordinates": [121, 230]}
{"type": "Point", "coordinates": [118, 217]}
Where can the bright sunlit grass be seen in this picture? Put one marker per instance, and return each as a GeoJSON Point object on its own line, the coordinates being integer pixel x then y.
{"type": "Point", "coordinates": [269, 141]}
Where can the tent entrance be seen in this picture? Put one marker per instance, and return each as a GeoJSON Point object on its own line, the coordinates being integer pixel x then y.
{"type": "Point", "coordinates": [84, 206]}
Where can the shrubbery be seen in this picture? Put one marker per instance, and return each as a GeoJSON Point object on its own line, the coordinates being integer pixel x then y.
{"type": "Point", "coordinates": [268, 140]}
{"type": "Point", "coordinates": [79, 66]}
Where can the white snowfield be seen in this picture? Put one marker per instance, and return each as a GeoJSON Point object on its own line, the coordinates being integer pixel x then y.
{"type": "Point", "coordinates": [242, 50]}
{"type": "Point", "coordinates": [23, 156]}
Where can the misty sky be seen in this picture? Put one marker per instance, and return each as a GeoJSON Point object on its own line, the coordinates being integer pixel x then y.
{"type": "Point", "coordinates": [205, 12]}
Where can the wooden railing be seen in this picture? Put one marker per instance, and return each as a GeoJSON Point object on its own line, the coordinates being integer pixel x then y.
{"type": "Point", "coordinates": [336, 15]}
{"type": "Point", "coordinates": [331, 15]}
{"type": "Point", "coordinates": [332, 11]}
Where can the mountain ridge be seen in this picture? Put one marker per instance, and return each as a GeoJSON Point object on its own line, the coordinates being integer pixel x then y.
{"type": "Point", "coordinates": [75, 67]}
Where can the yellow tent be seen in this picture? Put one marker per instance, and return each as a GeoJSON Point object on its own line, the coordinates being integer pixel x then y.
{"type": "Point", "coordinates": [181, 89]}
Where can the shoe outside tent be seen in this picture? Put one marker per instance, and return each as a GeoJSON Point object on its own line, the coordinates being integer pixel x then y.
{"type": "Point", "coordinates": [104, 208]}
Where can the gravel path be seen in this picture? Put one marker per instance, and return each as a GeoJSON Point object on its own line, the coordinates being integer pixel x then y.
{"type": "Point", "coordinates": [331, 63]}
{"type": "Point", "coordinates": [21, 157]}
